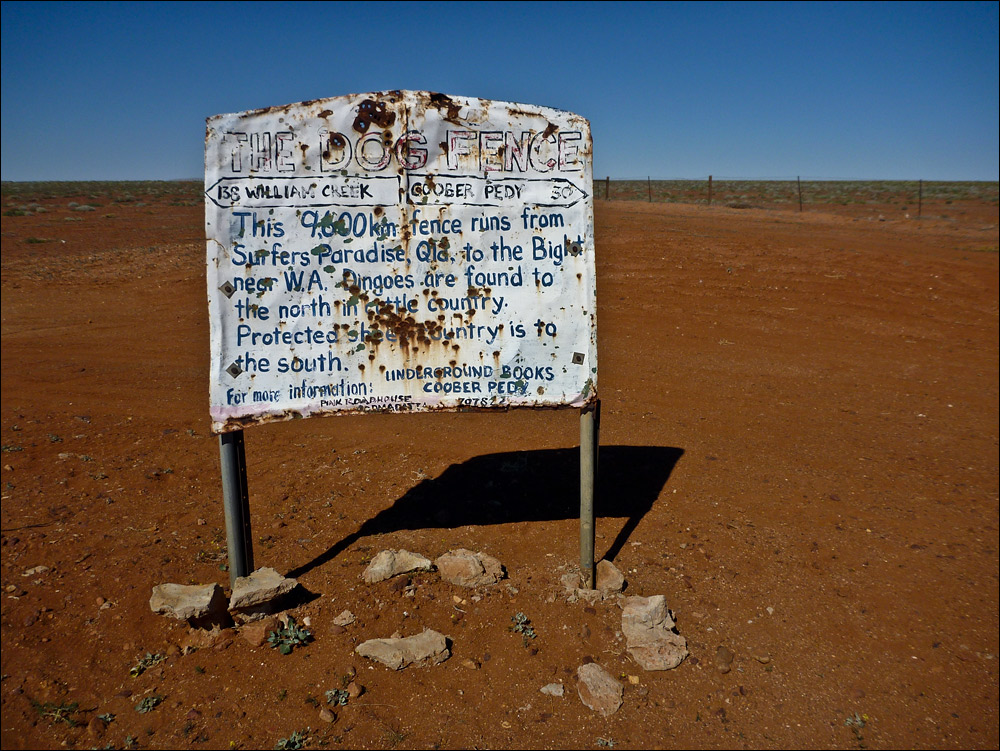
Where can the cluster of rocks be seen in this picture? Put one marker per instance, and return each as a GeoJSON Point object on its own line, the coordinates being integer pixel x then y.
{"type": "Point", "coordinates": [647, 624]}
{"type": "Point", "coordinates": [464, 568]}
{"type": "Point", "coordinates": [461, 567]}
{"type": "Point", "coordinates": [205, 605]}
{"type": "Point", "coordinates": [650, 638]}
{"type": "Point", "coordinates": [610, 582]}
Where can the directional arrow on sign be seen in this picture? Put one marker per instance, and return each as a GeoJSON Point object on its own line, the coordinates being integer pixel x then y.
{"type": "Point", "coordinates": [469, 190]}
{"type": "Point", "coordinates": [254, 192]}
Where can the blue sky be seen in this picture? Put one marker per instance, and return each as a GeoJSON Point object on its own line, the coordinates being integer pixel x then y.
{"type": "Point", "coordinates": [120, 91]}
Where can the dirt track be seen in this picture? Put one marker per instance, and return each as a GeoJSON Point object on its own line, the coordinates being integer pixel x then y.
{"type": "Point", "coordinates": [800, 421]}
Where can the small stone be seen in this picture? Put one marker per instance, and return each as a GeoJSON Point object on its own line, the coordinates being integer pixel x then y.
{"type": "Point", "coordinates": [570, 582]}
{"type": "Point", "coordinates": [35, 571]}
{"type": "Point", "coordinates": [634, 680]}
{"type": "Point", "coordinates": [609, 579]}
{"type": "Point", "coordinates": [255, 633]}
{"type": "Point", "coordinates": [649, 636]}
{"type": "Point", "coordinates": [96, 728]}
{"type": "Point", "coordinates": [762, 657]}
{"type": "Point", "coordinates": [470, 664]}
{"type": "Point", "coordinates": [335, 629]}
{"type": "Point", "coordinates": [257, 595]}
{"type": "Point", "coordinates": [344, 619]}
{"type": "Point", "coordinates": [466, 568]}
{"type": "Point", "coordinates": [198, 638]}
{"type": "Point", "coordinates": [389, 563]}
{"type": "Point", "coordinates": [724, 659]}
{"type": "Point", "coordinates": [327, 716]}
{"type": "Point", "coordinates": [191, 602]}
{"type": "Point", "coordinates": [553, 689]}
{"type": "Point", "coordinates": [426, 648]}
{"type": "Point", "coordinates": [355, 689]}
{"type": "Point", "coordinates": [598, 689]}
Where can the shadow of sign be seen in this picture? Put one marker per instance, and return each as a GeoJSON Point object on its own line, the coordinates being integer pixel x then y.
{"type": "Point", "coordinates": [524, 486]}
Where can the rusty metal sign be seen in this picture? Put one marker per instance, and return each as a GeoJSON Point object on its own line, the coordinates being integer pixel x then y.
{"type": "Point", "coordinates": [398, 251]}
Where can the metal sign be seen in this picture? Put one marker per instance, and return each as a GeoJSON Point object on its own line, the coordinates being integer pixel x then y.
{"type": "Point", "coordinates": [398, 251]}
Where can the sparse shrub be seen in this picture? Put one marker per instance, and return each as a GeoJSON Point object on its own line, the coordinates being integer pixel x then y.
{"type": "Point", "coordinates": [146, 662]}
{"type": "Point", "coordinates": [296, 740]}
{"type": "Point", "coordinates": [522, 625]}
{"type": "Point", "coordinates": [148, 704]}
{"type": "Point", "coordinates": [289, 637]}
{"type": "Point", "coordinates": [337, 696]}
{"type": "Point", "coordinates": [56, 712]}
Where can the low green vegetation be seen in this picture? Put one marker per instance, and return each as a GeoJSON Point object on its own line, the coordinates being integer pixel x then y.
{"type": "Point", "coordinates": [56, 712]}
{"type": "Point", "coordinates": [288, 637]}
{"type": "Point", "coordinates": [17, 196]}
{"type": "Point", "coordinates": [296, 740]}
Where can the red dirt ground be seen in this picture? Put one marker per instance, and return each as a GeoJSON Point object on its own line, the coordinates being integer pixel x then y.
{"type": "Point", "coordinates": [800, 418]}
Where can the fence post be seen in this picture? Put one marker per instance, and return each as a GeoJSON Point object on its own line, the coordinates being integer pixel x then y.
{"type": "Point", "coordinates": [920, 200]}
{"type": "Point", "coordinates": [607, 187]}
{"type": "Point", "coordinates": [649, 186]}
{"type": "Point", "coordinates": [709, 190]}
{"type": "Point", "coordinates": [799, 181]}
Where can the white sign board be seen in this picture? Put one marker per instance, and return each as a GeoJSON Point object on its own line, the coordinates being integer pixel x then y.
{"type": "Point", "coordinates": [398, 251]}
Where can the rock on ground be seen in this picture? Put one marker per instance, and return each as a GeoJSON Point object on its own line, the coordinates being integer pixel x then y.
{"type": "Point", "coordinates": [390, 563]}
{"type": "Point", "coordinates": [345, 619]}
{"type": "Point", "coordinates": [649, 637]}
{"type": "Point", "coordinates": [609, 583]}
{"type": "Point", "coordinates": [468, 569]}
{"type": "Point", "coordinates": [426, 648]}
{"type": "Point", "coordinates": [609, 579]}
{"type": "Point", "coordinates": [257, 595]}
{"type": "Point", "coordinates": [553, 689]}
{"type": "Point", "coordinates": [256, 633]}
{"type": "Point", "coordinates": [598, 689]}
{"type": "Point", "coordinates": [200, 638]}
{"type": "Point", "coordinates": [194, 602]}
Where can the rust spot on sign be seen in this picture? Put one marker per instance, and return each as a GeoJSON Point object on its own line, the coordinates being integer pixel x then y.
{"type": "Point", "coordinates": [371, 112]}
{"type": "Point", "coordinates": [447, 105]}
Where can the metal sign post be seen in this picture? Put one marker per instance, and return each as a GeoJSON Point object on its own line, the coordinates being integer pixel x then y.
{"type": "Point", "coordinates": [397, 251]}
{"type": "Point", "coordinates": [590, 432]}
{"type": "Point", "coordinates": [236, 502]}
